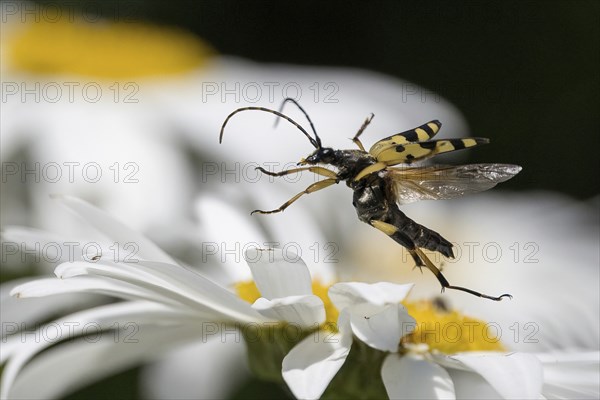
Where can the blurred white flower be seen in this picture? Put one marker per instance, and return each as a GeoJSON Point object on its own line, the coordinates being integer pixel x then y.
{"type": "Point", "coordinates": [164, 96]}
{"type": "Point", "coordinates": [77, 117]}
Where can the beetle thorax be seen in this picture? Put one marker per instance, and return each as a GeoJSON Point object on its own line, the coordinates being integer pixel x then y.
{"type": "Point", "coordinates": [351, 162]}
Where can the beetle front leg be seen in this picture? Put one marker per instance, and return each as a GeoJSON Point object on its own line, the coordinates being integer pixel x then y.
{"type": "Point", "coordinates": [311, 189]}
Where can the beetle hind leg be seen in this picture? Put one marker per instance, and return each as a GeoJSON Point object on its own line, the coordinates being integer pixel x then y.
{"type": "Point", "coordinates": [446, 285]}
{"type": "Point", "coordinates": [422, 260]}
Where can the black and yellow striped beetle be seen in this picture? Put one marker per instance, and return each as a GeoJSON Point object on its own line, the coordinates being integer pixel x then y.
{"type": "Point", "coordinates": [379, 189]}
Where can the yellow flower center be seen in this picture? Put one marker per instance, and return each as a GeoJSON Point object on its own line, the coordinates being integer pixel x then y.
{"type": "Point", "coordinates": [249, 292]}
{"type": "Point", "coordinates": [103, 49]}
{"type": "Point", "coordinates": [446, 331]}
{"type": "Point", "coordinates": [449, 331]}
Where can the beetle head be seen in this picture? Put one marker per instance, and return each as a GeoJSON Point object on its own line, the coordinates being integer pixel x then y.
{"type": "Point", "coordinates": [322, 155]}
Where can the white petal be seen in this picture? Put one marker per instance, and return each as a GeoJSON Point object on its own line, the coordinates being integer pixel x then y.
{"type": "Point", "coordinates": [308, 240]}
{"type": "Point", "coordinates": [49, 248]}
{"type": "Point", "coordinates": [14, 312]}
{"type": "Point", "coordinates": [514, 376]}
{"type": "Point", "coordinates": [90, 321]}
{"type": "Point", "coordinates": [88, 284]}
{"type": "Point", "coordinates": [210, 293]}
{"type": "Point", "coordinates": [72, 365]}
{"type": "Point", "coordinates": [345, 294]}
{"type": "Point", "coordinates": [125, 274]}
{"type": "Point", "coordinates": [303, 311]}
{"type": "Point", "coordinates": [10, 344]}
{"type": "Point", "coordinates": [448, 362]}
{"type": "Point", "coordinates": [203, 370]}
{"type": "Point", "coordinates": [114, 230]}
{"type": "Point", "coordinates": [311, 365]}
{"type": "Point", "coordinates": [381, 327]}
{"type": "Point", "coordinates": [172, 281]}
{"type": "Point", "coordinates": [362, 91]}
{"type": "Point", "coordinates": [226, 232]}
{"type": "Point", "coordinates": [277, 274]}
{"type": "Point", "coordinates": [571, 375]}
{"type": "Point", "coordinates": [471, 385]}
{"type": "Point", "coordinates": [52, 249]}
{"type": "Point", "coordinates": [413, 377]}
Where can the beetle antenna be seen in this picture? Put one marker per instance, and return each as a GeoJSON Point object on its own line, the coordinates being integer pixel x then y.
{"type": "Point", "coordinates": [316, 144]}
{"type": "Point", "coordinates": [312, 126]}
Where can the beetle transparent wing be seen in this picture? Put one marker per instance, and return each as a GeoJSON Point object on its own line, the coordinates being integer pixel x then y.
{"type": "Point", "coordinates": [439, 182]}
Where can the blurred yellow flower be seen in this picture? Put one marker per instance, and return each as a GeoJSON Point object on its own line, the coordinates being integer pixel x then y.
{"type": "Point", "coordinates": [104, 49]}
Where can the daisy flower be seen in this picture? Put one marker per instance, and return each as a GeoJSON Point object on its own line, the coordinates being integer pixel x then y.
{"type": "Point", "coordinates": [420, 350]}
{"type": "Point", "coordinates": [171, 305]}
{"type": "Point", "coordinates": [525, 327]}
{"type": "Point", "coordinates": [373, 315]}
{"type": "Point", "coordinates": [166, 305]}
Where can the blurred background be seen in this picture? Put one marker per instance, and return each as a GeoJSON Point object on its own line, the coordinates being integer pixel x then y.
{"type": "Point", "coordinates": [524, 74]}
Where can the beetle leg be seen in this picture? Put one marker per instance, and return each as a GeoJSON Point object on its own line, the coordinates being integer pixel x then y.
{"type": "Point", "coordinates": [311, 189]}
{"type": "Point", "coordinates": [356, 139]}
{"type": "Point", "coordinates": [446, 285]}
{"type": "Point", "coordinates": [315, 170]}
{"type": "Point", "coordinates": [422, 260]}
{"type": "Point", "coordinates": [370, 169]}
